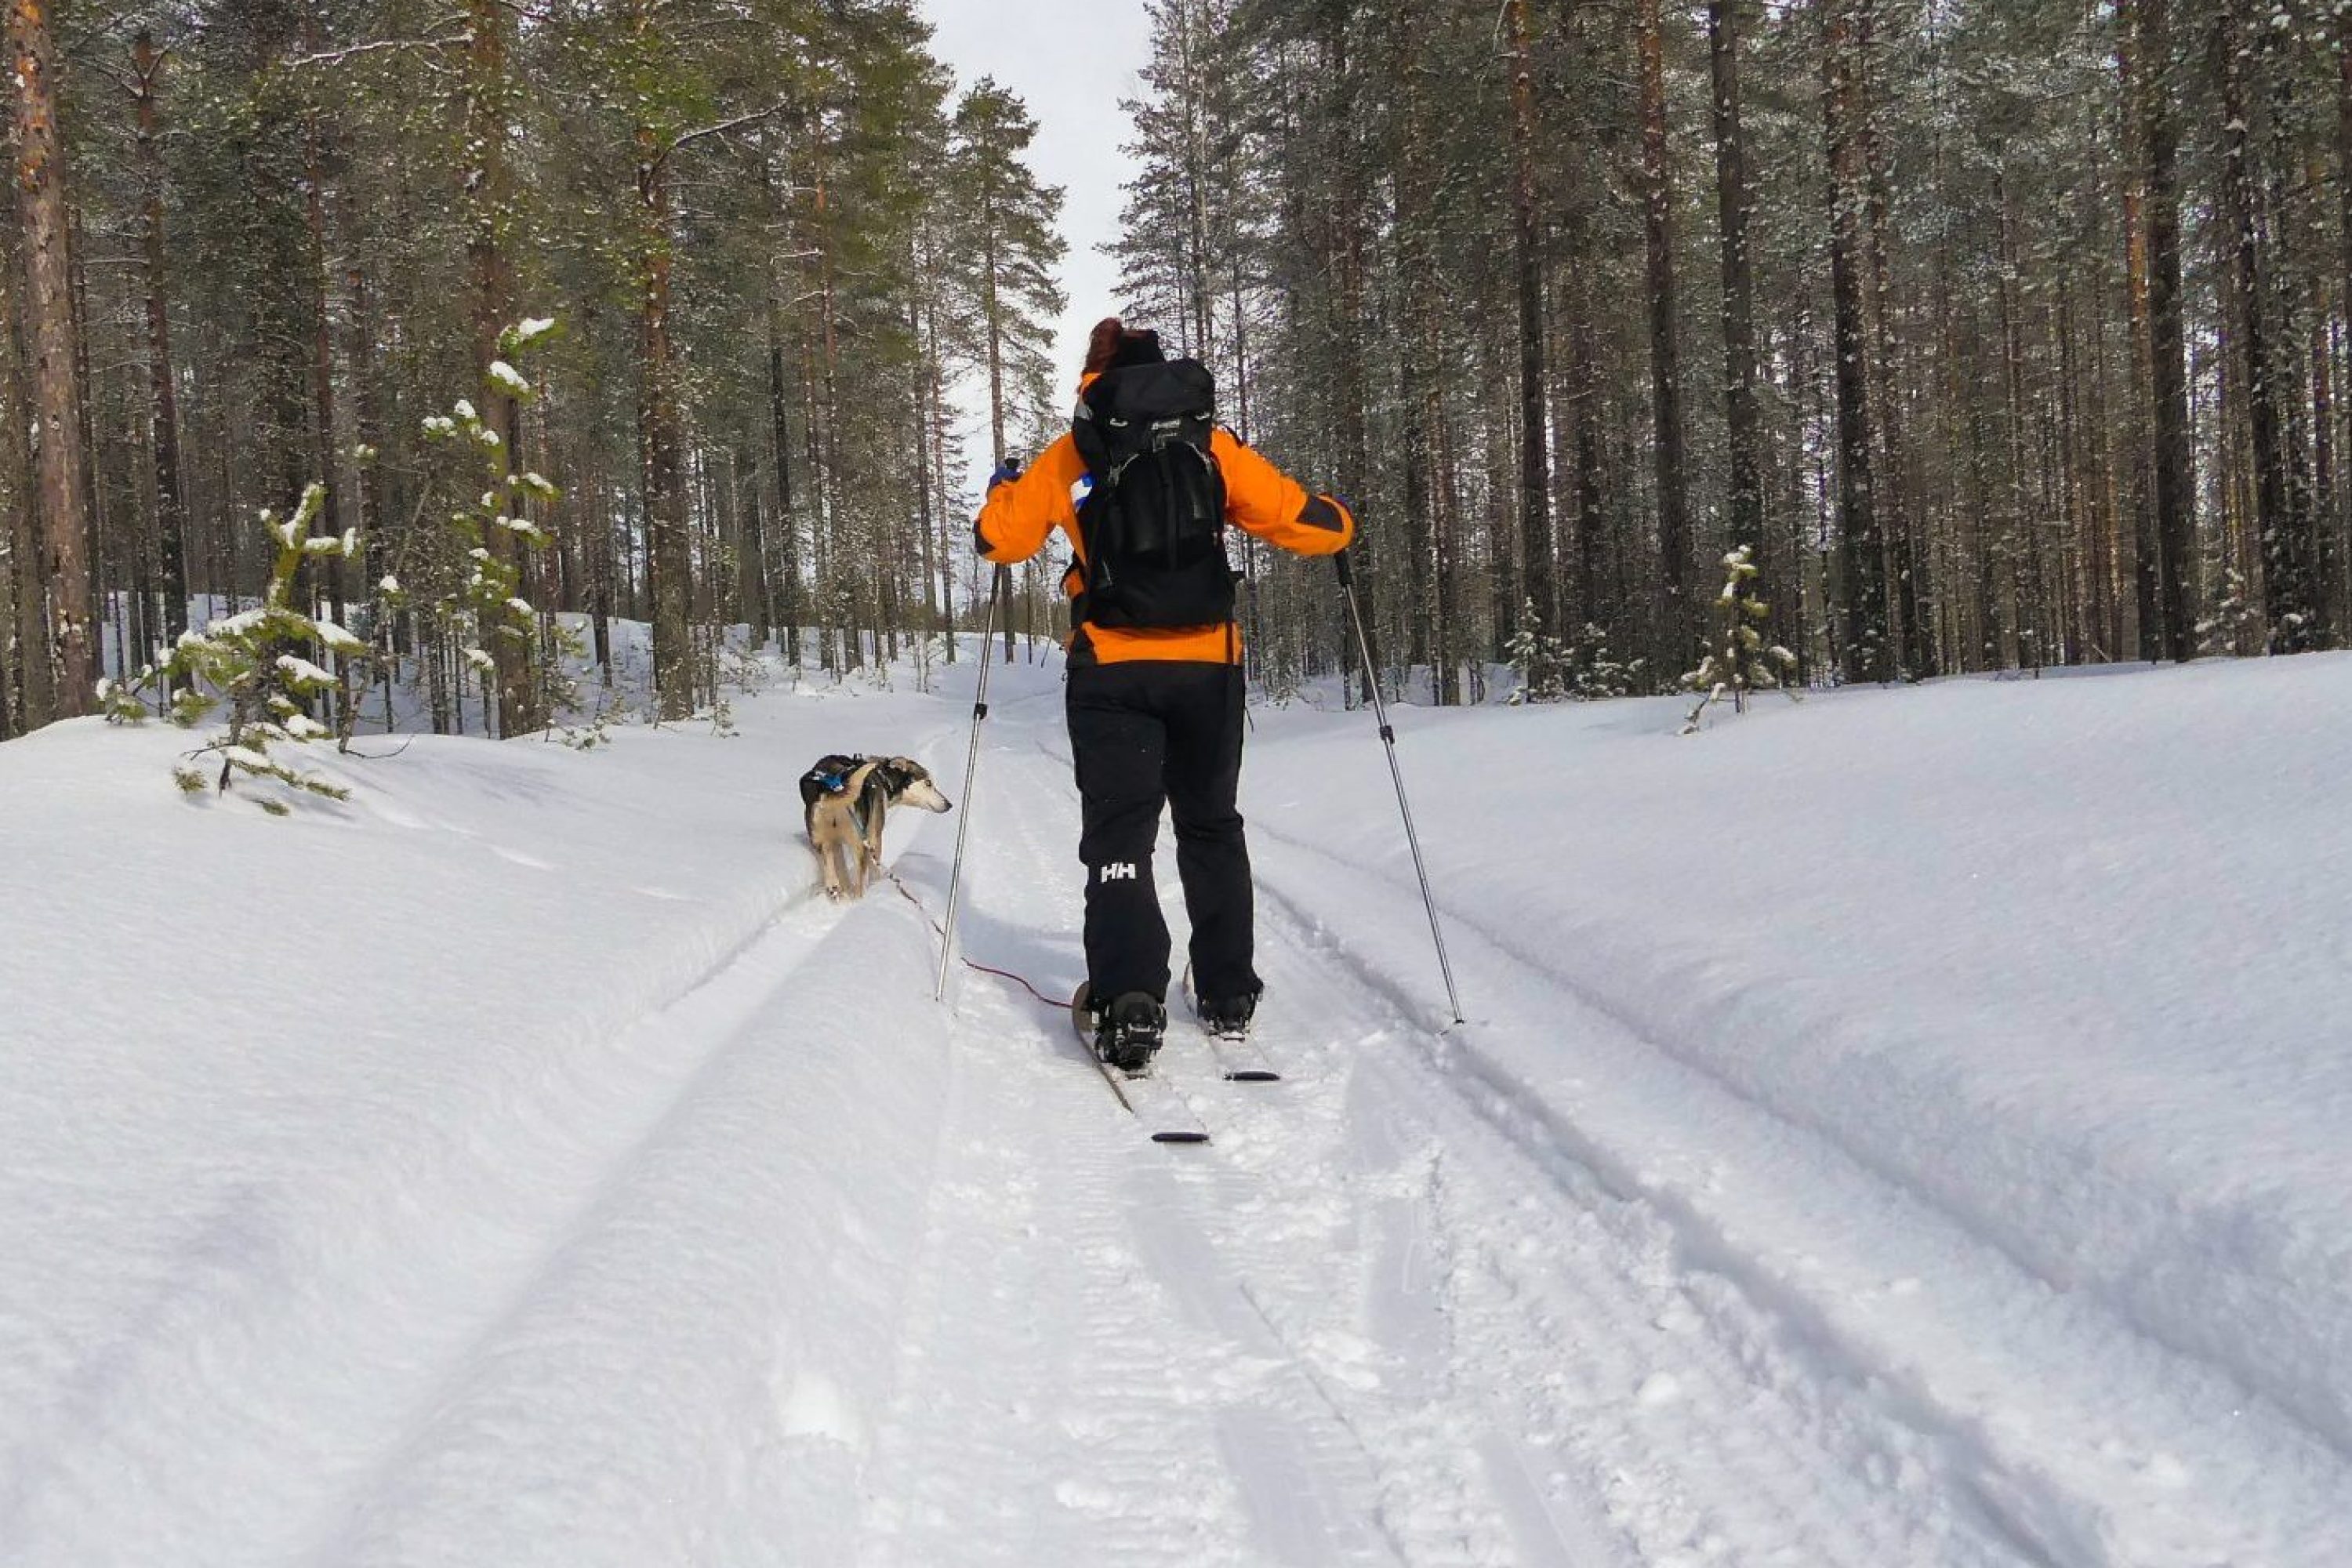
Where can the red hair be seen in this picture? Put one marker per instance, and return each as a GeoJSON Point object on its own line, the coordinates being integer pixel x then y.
{"type": "Point", "coordinates": [1102, 345]}
{"type": "Point", "coordinates": [1113, 344]}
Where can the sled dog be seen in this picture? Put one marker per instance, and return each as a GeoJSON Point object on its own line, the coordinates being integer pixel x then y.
{"type": "Point", "coordinates": [845, 800]}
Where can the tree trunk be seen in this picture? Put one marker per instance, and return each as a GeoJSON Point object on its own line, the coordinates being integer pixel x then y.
{"type": "Point", "coordinates": [1867, 654]}
{"type": "Point", "coordinates": [367, 401]}
{"type": "Point", "coordinates": [755, 601]}
{"type": "Point", "coordinates": [834, 575]}
{"type": "Point", "coordinates": [1196, 181]}
{"type": "Point", "coordinates": [1742, 417]}
{"type": "Point", "coordinates": [1528, 265]}
{"type": "Point", "coordinates": [1598, 607]}
{"type": "Point", "coordinates": [1419, 407]}
{"type": "Point", "coordinates": [778, 402]}
{"type": "Point", "coordinates": [163, 441]}
{"type": "Point", "coordinates": [2134, 70]}
{"type": "Point", "coordinates": [994, 310]}
{"type": "Point", "coordinates": [1898, 517]}
{"type": "Point", "coordinates": [919, 409]}
{"type": "Point", "coordinates": [62, 501]}
{"type": "Point", "coordinates": [1666, 358]}
{"type": "Point", "coordinates": [488, 192]}
{"type": "Point", "coordinates": [601, 566]}
{"type": "Point", "coordinates": [2285, 277]}
{"type": "Point", "coordinates": [2016, 547]}
{"type": "Point", "coordinates": [2328, 562]}
{"type": "Point", "coordinates": [1354, 469]}
{"type": "Point", "coordinates": [85, 380]}
{"type": "Point", "coordinates": [2175, 475]}
{"type": "Point", "coordinates": [669, 552]}
{"type": "Point", "coordinates": [2339, 519]}
{"type": "Point", "coordinates": [35, 659]}
{"type": "Point", "coordinates": [948, 549]}
{"type": "Point", "coordinates": [2286, 606]}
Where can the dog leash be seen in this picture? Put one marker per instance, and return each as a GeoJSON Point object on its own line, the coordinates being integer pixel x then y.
{"type": "Point", "coordinates": [907, 893]}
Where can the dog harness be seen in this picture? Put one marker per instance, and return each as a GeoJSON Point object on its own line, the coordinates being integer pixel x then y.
{"type": "Point", "coordinates": [835, 781]}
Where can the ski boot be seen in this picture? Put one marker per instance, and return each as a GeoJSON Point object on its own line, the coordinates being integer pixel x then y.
{"type": "Point", "coordinates": [1228, 1019]}
{"type": "Point", "coordinates": [1128, 1032]}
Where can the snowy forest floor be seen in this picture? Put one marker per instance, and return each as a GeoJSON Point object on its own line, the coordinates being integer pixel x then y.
{"type": "Point", "coordinates": [1906, 1128]}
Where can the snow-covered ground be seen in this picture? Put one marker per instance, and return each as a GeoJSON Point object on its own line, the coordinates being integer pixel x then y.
{"type": "Point", "coordinates": [1902, 1128]}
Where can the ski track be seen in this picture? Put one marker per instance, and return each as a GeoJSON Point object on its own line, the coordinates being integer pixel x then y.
{"type": "Point", "coordinates": [1539, 1291]}
{"type": "Point", "coordinates": [637, 1314]}
{"type": "Point", "coordinates": [582, 1124]}
{"type": "Point", "coordinates": [704, 1018]}
{"type": "Point", "coordinates": [668, 1063]}
{"type": "Point", "coordinates": [1406, 1331]}
{"type": "Point", "coordinates": [2175, 1464]}
{"type": "Point", "coordinates": [1413, 1306]}
{"type": "Point", "coordinates": [1046, 1263]}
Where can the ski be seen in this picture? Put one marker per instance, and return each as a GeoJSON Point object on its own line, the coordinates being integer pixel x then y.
{"type": "Point", "coordinates": [1146, 1096]}
{"type": "Point", "coordinates": [1241, 1061]}
{"type": "Point", "coordinates": [1238, 1060]}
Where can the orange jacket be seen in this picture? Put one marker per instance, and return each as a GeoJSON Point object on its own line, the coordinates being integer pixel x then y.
{"type": "Point", "coordinates": [1023, 514]}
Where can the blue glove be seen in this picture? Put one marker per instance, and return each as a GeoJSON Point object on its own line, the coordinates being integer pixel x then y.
{"type": "Point", "coordinates": [1008, 470]}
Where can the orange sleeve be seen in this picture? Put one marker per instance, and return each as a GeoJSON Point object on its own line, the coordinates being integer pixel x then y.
{"type": "Point", "coordinates": [1020, 514]}
{"type": "Point", "coordinates": [1276, 508]}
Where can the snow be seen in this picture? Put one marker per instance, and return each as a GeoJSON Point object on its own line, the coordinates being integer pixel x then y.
{"type": "Point", "coordinates": [304, 671]}
{"type": "Point", "coordinates": [510, 379]}
{"type": "Point", "coordinates": [1904, 1128]}
{"type": "Point", "coordinates": [338, 640]}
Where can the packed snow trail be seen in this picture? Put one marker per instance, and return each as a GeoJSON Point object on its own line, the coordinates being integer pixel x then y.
{"type": "Point", "coordinates": [1570, 1297]}
{"type": "Point", "coordinates": [1364, 1327]}
{"type": "Point", "coordinates": [628, 1204]}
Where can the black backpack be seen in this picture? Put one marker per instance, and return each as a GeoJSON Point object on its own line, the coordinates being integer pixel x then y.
{"type": "Point", "coordinates": [1153, 524]}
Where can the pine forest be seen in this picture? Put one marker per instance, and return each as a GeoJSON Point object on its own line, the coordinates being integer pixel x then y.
{"type": "Point", "coordinates": [1936, 335]}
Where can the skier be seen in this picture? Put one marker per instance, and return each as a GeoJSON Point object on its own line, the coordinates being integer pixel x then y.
{"type": "Point", "coordinates": [1155, 695]}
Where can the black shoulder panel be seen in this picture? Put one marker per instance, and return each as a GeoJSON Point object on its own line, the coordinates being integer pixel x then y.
{"type": "Point", "coordinates": [1319, 513]}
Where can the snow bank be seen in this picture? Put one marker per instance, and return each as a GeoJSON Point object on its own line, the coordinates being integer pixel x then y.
{"type": "Point", "coordinates": [2069, 958]}
{"type": "Point", "coordinates": [335, 1150]}
{"type": "Point", "coordinates": [1903, 1129]}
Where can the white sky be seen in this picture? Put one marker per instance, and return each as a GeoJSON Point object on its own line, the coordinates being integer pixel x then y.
{"type": "Point", "coordinates": [1070, 61]}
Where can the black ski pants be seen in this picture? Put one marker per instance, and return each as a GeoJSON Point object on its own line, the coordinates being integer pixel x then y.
{"type": "Point", "coordinates": [1144, 734]}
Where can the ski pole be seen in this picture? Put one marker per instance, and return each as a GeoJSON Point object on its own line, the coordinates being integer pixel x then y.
{"type": "Point", "coordinates": [1000, 584]}
{"type": "Point", "coordinates": [1388, 737]}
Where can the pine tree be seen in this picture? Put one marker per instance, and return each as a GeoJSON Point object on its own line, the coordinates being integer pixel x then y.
{"type": "Point", "coordinates": [1004, 227]}
{"type": "Point", "coordinates": [248, 662]}
{"type": "Point", "coordinates": [1738, 660]}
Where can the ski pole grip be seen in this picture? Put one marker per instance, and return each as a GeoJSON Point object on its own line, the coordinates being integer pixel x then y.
{"type": "Point", "coordinates": [1347, 578]}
